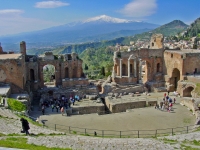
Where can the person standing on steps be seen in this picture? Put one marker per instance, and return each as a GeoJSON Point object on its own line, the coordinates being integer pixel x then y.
{"type": "Point", "coordinates": [25, 126]}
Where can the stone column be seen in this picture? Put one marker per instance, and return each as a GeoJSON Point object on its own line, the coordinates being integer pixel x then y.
{"type": "Point", "coordinates": [120, 67]}
{"type": "Point", "coordinates": [140, 69]}
{"type": "Point", "coordinates": [129, 72]}
{"type": "Point", "coordinates": [113, 73]}
{"type": "Point", "coordinates": [135, 68]}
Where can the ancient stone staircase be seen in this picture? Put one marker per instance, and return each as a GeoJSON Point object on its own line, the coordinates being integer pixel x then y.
{"type": "Point", "coordinates": [7, 113]}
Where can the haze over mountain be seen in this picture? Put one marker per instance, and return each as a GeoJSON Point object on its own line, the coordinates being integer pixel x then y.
{"type": "Point", "coordinates": [170, 29]}
{"type": "Point", "coordinates": [93, 29]}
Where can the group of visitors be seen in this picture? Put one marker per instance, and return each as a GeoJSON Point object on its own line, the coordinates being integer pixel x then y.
{"type": "Point", "coordinates": [166, 104]}
{"type": "Point", "coordinates": [60, 104]}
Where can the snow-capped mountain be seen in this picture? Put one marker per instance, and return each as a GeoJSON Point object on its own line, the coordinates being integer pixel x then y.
{"type": "Point", "coordinates": [84, 31]}
{"type": "Point", "coordinates": [104, 18]}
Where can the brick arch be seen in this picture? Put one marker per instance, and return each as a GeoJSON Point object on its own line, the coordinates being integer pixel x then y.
{"type": "Point", "coordinates": [187, 92]}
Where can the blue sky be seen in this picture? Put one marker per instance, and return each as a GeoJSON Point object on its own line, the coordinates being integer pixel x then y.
{"type": "Point", "coordinates": [18, 16]}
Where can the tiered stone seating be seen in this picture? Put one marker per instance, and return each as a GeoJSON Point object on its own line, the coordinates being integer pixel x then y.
{"type": "Point", "coordinates": [7, 113]}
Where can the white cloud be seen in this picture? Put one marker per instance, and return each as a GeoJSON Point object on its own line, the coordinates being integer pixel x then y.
{"type": "Point", "coordinates": [139, 8]}
{"type": "Point", "coordinates": [50, 4]}
{"type": "Point", "coordinates": [13, 22]}
{"type": "Point", "coordinates": [11, 12]}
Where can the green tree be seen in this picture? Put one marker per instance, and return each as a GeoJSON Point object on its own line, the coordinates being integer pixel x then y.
{"type": "Point", "coordinates": [48, 72]}
{"type": "Point", "coordinates": [86, 67]}
{"type": "Point", "coordinates": [102, 72]}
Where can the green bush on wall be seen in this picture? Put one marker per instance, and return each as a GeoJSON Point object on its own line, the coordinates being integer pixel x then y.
{"type": "Point", "coordinates": [16, 105]}
{"type": "Point", "coordinates": [197, 89]}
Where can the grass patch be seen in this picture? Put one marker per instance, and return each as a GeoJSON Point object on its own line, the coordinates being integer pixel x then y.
{"type": "Point", "coordinates": [16, 105]}
{"type": "Point", "coordinates": [188, 147]}
{"type": "Point", "coordinates": [1, 134]}
{"type": "Point", "coordinates": [169, 141]}
{"type": "Point", "coordinates": [197, 89]}
{"type": "Point", "coordinates": [18, 142]}
{"type": "Point", "coordinates": [195, 142]}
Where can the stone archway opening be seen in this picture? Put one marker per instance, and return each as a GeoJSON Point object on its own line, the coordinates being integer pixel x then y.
{"type": "Point", "coordinates": [175, 77]}
{"type": "Point", "coordinates": [49, 75]}
{"type": "Point", "coordinates": [187, 92]}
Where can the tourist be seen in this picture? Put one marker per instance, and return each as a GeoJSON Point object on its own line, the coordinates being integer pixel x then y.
{"type": "Point", "coordinates": [168, 92]}
{"type": "Point", "coordinates": [66, 103]}
{"type": "Point", "coordinates": [170, 107]}
{"type": "Point", "coordinates": [163, 100]}
{"type": "Point", "coordinates": [165, 95]}
{"type": "Point", "coordinates": [194, 72]}
{"type": "Point", "coordinates": [62, 110]}
{"type": "Point", "coordinates": [163, 106]}
{"type": "Point", "coordinates": [43, 109]}
{"type": "Point", "coordinates": [25, 126]}
{"type": "Point", "coordinates": [73, 101]}
{"type": "Point", "coordinates": [155, 106]}
{"type": "Point", "coordinates": [69, 102]}
{"type": "Point", "coordinates": [57, 107]}
{"type": "Point", "coordinates": [77, 98]}
{"type": "Point", "coordinates": [52, 107]}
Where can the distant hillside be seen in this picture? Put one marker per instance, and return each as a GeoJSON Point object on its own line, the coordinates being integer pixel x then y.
{"type": "Point", "coordinates": [193, 29]}
{"type": "Point", "coordinates": [171, 28]}
{"type": "Point", "coordinates": [100, 57]}
{"type": "Point", "coordinates": [79, 48]}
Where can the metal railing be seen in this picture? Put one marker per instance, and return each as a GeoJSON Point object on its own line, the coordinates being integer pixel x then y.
{"type": "Point", "coordinates": [121, 134]}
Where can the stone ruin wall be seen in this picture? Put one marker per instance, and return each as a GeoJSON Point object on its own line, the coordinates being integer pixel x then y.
{"type": "Point", "coordinates": [90, 109]}
{"type": "Point", "coordinates": [156, 41]}
{"type": "Point", "coordinates": [13, 72]}
{"type": "Point", "coordinates": [190, 62]}
{"type": "Point", "coordinates": [123, 107]}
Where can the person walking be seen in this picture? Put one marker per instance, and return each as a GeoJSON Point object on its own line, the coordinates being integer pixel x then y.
{"type": "Point", "coordinates": [194, 72]}
{"type": "Point", "coordinates": [62, 110]}
{"type": "Point", "coordinates": [43, 109]}
{"type": "Point", "coordinates": [52, 107]}
{"type": "Point", "coordinates": [25, 126]}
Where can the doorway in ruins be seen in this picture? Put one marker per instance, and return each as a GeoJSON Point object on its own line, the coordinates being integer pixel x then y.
{"type": "Point", "coordinates": [187, 92]}
{"type": "Point", "coordinates": [49, 75]}
{"type": "Point", "coordinates": [175, 77]}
